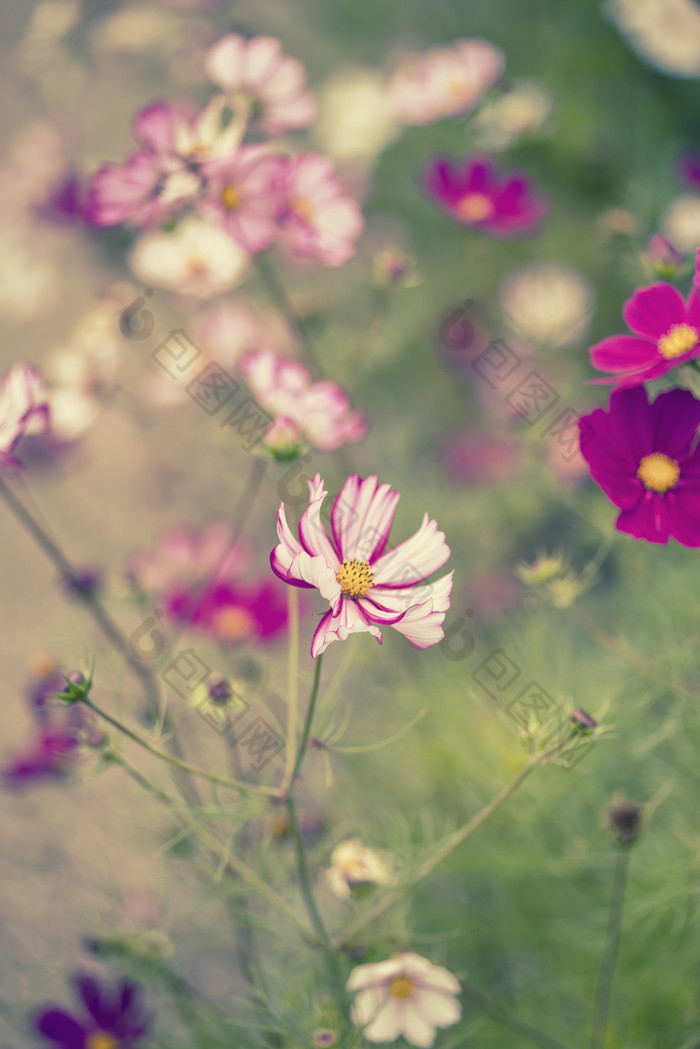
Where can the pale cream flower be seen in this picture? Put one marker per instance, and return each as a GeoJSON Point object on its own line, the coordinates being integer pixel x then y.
{"type": "Point", "coordinates": [664, 32]}
{"type": "Point", "coordinates": [353, 865]}
{"type": "Point", "coordinates": [196, 260]}
{"type": "Point", "coordinates": [522, 109]}
{"type": "Point", "coordinates": [681, 222]}
{"type": "Point", "coordinates": [408, 996]}
{"type": "Point", "coordinates": [355, 121]}
{"type": "Point", "coordinates": [547, 303]}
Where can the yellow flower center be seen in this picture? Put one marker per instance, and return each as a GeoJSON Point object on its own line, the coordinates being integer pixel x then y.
{"type": "Point", "coordinates": [302, 208]}
{"type": "Point", "coordinates": [402, 987]}
{"type": "Point", "coordinates": [233, 624]}
{"type": "Point", "coordinates": [230, 197]}
{"type": "Point", "coordinates": [658, 472]}
{"type": "Point", "coordinates": [355, 578]}
{"type": "Point", "coordinates": [100, 1040]}
{"type": "Point", "coordinates": [475, 207]}
{"type": "Point", "coordinates": [678, 340]}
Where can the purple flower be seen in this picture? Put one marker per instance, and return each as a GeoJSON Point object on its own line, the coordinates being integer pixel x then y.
{"type": "Point", "coordinates": [646, 459]}
{"type": "Point", "coordinates": [471, 194]}
{"type": "Point", "coordinates": [111, 1019]}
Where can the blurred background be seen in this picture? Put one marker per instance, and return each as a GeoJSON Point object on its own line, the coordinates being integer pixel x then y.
{"type": "Point", "coordinates": [598, 105]}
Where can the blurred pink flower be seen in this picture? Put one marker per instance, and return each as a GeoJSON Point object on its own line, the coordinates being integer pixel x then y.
{"type": "Point", "coordinates": [320, 221]}
{"type": "Point", "coordinates": [197, 577]}
{"type": "Point", "coordinates": [471, 194]}
{"type": "Point", "coordinates": [245, 193]}
{"type": "Point", "coordinates": [226, 329]}
{"type": "Point", "coordinates": [317, 411]}
{"type": "Point", "coordinates": [258, 72]}
{"type": "Point", "coordinates": [163, 175]}
{"type": "Point", "coordinates": [24, 409]}
{"type": "Point", "coordinates": [478, 457]}
{"type": "Point", "coordinates": [345, 568]}
{"type": "Point", "coordinates": [444, 81]}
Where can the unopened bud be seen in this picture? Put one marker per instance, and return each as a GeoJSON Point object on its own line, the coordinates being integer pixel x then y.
{"type": "Point", "coordinates": [624, 820]}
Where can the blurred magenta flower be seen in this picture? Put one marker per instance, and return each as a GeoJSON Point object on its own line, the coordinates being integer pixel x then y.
{"type": "Point", "coordinates": [479, 457]}
{"type": "Point", "coordinates": [50, 755]}
{"type": "Point", "coordinates": [24, 409]}
{"type": "Point", "coordinates": [245, 193]}
{"type": "Point", "coordinates": [345, 568]}
{"type": "Point", "coordinates": [111, 1019]}
{"type": "Point", "coordinates": [197, 577]}
{"type": "Point", "coordinates": [471, 194]}
{"type": "Point", "coordinates": [445, 81]}
{"type": "Point", "coordinates": [646, 459]}
{"type": "Point", "coordinates": [689, 169]}
{"type": "Point", "coordinates": [163, 175]}
{"type": "Point", "coordinates": [666, 333]}
{"type": "Point", "coordinates": [320, 222]}
{"type": "Point", "coordinates": [257, 72]}
{"type": "Point", "coordinates": [318, 412]}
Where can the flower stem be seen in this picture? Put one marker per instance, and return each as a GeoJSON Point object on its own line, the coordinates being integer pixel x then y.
{"type": "Point", "coordinates": [446, 847]}
{"type": "Point", "coordinates": [278, 295]}
{"type": "Point", "coordinates": [502, 1016]}
{"type": "Point", "coordinates": [612, 946]}
{"type": "Point", "coordinates": [292, 685]}
{"type": "Point", "coordinates": [222, 781]}
{"type": "Point", "coordinates": [307, 723]}
{"type": "Point", "coordinates": [91, 601]}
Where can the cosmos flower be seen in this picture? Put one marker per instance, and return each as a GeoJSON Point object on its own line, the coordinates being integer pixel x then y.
{"type": "Point", "coordinates": [198, 578]}
{"type": "Point", "coordinates": [24, 409]}
{"type": "Point", "coordinates": [666, 34]}
{"type": "Point", "coordinates": [680, 222]}
{"type": "Point", "coordinates": [353, 866]}
{"type": "Point", "coordinates": [320, 222]}
{"type": "Point", "coordinates": [318, 412]}
{"type": "Point", "coordinates": [406, 995]}
{"type": "Point", "coordinates": [355, 120]}
{"type": "Point", "coordinates": [547, 303]}
{"type": "Point", "coordinates": [522, 108]}
{"type": "Point", "coordinates": [444, 81]}
{"type": "Point", "coordinates": [163, 175]}
{"type": "Point", "coordinates": [196, 260]}
{"type": "Point", "coordinates": [245, 193]}
{"type": "Point", "coordinates": [258, 72]}
{"type": "Point", "coordinates": [646, 459]}
{"type": "Point", "coordinates": [366, 586]}
{"type": "Point", "coordinates": [108, 1020]}
{"type": "Point", "coordinates": [472, 195]}
{"type": "Point", "coordinates": [666, 333]}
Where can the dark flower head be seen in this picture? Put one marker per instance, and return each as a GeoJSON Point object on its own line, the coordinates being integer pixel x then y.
{"type": "Point", "coordinates": [624, 820]}
{"type": "Point", "coordinates": [472, 194]}
{"type": "Point", "coordinates": [111, 1019]}
{"type": "Point", "coordinates": [646, 459]}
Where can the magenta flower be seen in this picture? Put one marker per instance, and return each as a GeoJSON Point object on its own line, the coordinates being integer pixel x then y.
{"type": "Point", "coordinates": [24, 409]}
{"type": "Point", "coordinates": [318, 412]}
{"type": "Point", "coordinates": [472, 195]}
{"type": "Point", "coordinates": [245, 192]}
{"type": "Point", "coordinates": [109, 1019]}
{"type": "Point", "coordinates": [366, 586]}
{"type": "Point", "coordinates": [320, 221]}
{"type": "Point", "coordinates": [666, 333]}
{"type": "Point", "coordinates": [198, 578]}
{"type": "Point", "coordinates": [258, 72]}
{"type": "Point", "coordinates": [645, 457]}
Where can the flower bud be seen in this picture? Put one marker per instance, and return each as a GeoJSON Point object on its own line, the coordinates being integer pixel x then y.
{"type": "Point", "coordinates": [284, 439]}
{"type": "Point", "coordinates": [77, 688]}
{"type": "Point", "coordinates": [661, 257]}
{"type": "Point", "coordinates": [583, 722]}
{"type": "Point", "coordinates": [624, 820]}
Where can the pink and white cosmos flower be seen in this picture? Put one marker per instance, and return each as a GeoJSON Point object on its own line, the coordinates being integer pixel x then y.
{"type": "Point", "coordinates": [320, 221]}
{"type": "Point", "coordinates": [444, 81]}
{"type": "Point", "coordinates": [366, 586]}
{"type": "Point", "coordinates": [245, 193]}
{"type": "Point", "coordinates": [320, 412]}
{"type": "Point", "coordinates": [258, 72]}
{"type": "Point", "coordinates": [24, 409]}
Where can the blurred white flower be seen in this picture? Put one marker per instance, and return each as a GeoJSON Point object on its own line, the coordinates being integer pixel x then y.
{"type": "Point", "coordinates": [522, 108]}
{"type": "Point", "coordinates": [408, 996]}
{"type": "Point", "coordinates": [196, 260]}
{"type": "Point", "coordinates": [28, 278]}
{"type": "Point", "coordinates": [444, 81]}
{"type": "Point", "coordinates": [355, 120]}
{"type": "Point", "coordinates": [681, 222]}
{"type": "Point", "coordinates": [664, 32]}
{"type": "Point", "coordinates": [354, 865]}
{"type": "Point", "coordinates": [547, 303]}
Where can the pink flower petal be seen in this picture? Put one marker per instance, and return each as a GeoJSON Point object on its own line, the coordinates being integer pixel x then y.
{"type": "Point", "coordinates": [338, 628]}
{"type": "Point", "coordinates": [361, 518]}
{"type": "Point", "coordinates": [652, 311]}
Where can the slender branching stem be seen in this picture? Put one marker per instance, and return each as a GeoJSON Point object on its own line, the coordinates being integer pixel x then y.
{"type": "Point", "coordinates": [601, 1006]}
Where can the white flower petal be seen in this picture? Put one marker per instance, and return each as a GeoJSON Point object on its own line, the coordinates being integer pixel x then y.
{"type": "Point", "coordinates": [389, 1023]}
{"type": "Point", "coordinates": [415, 559]}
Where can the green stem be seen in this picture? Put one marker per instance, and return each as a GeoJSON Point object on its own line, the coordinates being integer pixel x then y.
{"type": "Point", "coordinates": [447, 846]}
{"type": "Point", "coordinates": [307, 723]}
{"type": "Point", "coordinates": [222, 781]}
{"type": "Point", "coordinates": [606, 975]}
{"type": "Point", "coordinates": [502, 1016]}
{"type": "Point", "coordinates": [279, 297]}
